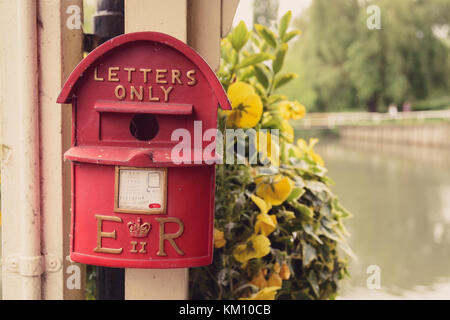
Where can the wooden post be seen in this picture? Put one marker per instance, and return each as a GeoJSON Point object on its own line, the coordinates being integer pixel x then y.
{"type": "Point", "coordinates": [170, 18]}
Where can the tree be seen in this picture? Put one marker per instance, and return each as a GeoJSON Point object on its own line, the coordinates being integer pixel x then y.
{"type": "Point", "coordinates": [328, 29]}
{"type": "Point", "coordinates": [402, 61]}
{"type": "Point", "coordinates": [265, 12]}
{"type": "Point", "coordinates": [343, 64]}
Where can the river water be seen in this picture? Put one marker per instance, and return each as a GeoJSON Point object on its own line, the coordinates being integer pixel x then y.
{"type": "Point", "coordinates": [400, 229]}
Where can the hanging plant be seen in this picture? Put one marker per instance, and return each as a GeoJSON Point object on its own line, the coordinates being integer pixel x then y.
{"type": "Point", "coordinates": [278, 227]}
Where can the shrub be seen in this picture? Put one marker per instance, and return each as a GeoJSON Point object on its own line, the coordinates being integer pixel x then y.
{"type": "Point", "coordinates": [278, 227]}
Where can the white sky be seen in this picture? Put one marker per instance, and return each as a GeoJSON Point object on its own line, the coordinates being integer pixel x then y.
{"type": "Point", "coordinates": [245, 10]}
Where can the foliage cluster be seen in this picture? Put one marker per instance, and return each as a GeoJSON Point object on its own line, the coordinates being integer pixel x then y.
{"type": "Point", "coordinates": [278, 227]}
{"type": "Point", "coordinates": [345, 65]}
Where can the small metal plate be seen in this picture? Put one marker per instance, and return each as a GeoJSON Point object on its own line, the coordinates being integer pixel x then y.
{"type": "Point", "coordinates": [140, 190]}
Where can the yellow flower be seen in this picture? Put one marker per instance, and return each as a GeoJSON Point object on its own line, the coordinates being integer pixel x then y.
{"type": "Point", "coordinates": [246, 106]}
{"type": "Point", "coordinates": [259, 280]}
{"type": "Point", "coordinates": [267, 293]}
{"type": "Point", "coordinates": [219, 239]}
{"type": "Point", "coordinates": [287, 131]}
{"type": "Point", "coordinates": [285, 273]}
{"type": "Point", "coordinates": [308, 149]}
{"type": "Point", "coordinates": [289, 215]}
{"type": "Point", "coordinates": [257, 246]}
{"type": "Point", "coordinates": [292, 110]}
{"type": "Point", "coordinates": [265, 224]}
{"type": "Point", "coordinates": [268, 147]}
{"type": "Point", "coordinates": [274, 190]}
{"type": "Point", "coordinates": [263, 206]}
{"type": "Point", "coordinates": [276, 267]}
{"type": "Point", "coordinates": [274, 280]}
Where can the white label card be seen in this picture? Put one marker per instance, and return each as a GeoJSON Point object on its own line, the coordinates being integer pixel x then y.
{"type": "Point", "coordinates": [141, 189]}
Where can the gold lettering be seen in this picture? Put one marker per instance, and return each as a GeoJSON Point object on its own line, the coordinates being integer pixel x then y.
{"type": "Point", "coordinates": [143, 244]}
{"type": "Point", "coordinates": [150, 95]}
{"type": "Point", "coordinates": [119, 95]}
{"type": "Point", "coordinates": [134, 92]}
{"type": "Point", "coordinates": [190, 74]}
{"type": "Point", "coordinates": [145, 72]}
{"type": "Point", "coordinates": [96, 77]}
{"type": "Point", "coordinates": [169, 237]}
{"type": "Point", "coordinates": [101, 234]}
{"type": "Point", "coordinates": [133, 249]}
{"type": "Point", "coordinates": [130, 71]}
{"type": "Point", "coordinates": [166, 92]}
{"type": "Point", "coordinates": [176, 74]}
{"type": "Point", "coordinates": [160, 76]}
{"type": "Point", "coordinates": [112, 76]}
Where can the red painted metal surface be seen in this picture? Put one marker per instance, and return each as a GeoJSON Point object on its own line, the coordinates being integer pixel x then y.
{"type": "Point", "coordinates": [144, 73]}
{"type": "Point", "coordinates": [136, 157]}
{"type": "Point", "coordinates": [142, 107]}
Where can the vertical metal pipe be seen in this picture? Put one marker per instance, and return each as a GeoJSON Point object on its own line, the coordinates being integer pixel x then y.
{"type": "Point", "coordinates": [28, 130]}
{"type": "Point", "coordinates": [108, 23]}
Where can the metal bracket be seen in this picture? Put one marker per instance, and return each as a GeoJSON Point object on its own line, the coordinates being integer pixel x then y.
{"type": "Point", "coordinates": [32, 266]}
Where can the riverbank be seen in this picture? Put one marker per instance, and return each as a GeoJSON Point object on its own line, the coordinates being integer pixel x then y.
{"type": "Point", "coordinates": [430, 135]}
{"type": "Point", "coordinates": [430, 129]}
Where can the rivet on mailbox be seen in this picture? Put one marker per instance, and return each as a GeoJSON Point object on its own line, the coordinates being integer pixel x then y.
{"type": "Point", "coordinates": [132, 205]}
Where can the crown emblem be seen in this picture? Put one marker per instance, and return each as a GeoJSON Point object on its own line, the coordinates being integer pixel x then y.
{"type": "Point", "coordinates": [139, 229]}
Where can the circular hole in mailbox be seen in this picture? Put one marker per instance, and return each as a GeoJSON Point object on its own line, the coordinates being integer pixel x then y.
{"type": "Point", "coordinates": [144, 127]}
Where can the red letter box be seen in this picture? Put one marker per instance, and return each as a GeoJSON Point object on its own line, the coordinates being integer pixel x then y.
{"type": "Point", "coordinates": [133, 206]}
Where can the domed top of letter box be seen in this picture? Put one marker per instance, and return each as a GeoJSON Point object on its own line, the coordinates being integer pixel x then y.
{"type": "Point", "coordinates": [132, 93]}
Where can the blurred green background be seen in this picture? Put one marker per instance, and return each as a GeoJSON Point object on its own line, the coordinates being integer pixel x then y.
{"type": "Point", "coordinates": [345, 66]}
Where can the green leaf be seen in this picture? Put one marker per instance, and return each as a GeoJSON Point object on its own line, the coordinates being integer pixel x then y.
{"type": "Point", "coordinates": [254, 38]}
{"type": "Point", "coordinates": [284, 24]}
{"type": "Point", "coordinates": [319, 189]}
{"type": "Point", "coordinates": [267, 35]}
{"type": "Point", "coordinates": [310, 231]}
{"type": "Point", "coordinates": [329, 234]}
{"type": "Point", "coordinates": [261, 76]}
{"type": "Point", "coordinates": [295, 194]}
{"type": "Point", "coordinates": [246, 74]}
{"type": "Point", "coordinates": [327, 180]}
{"type": "Point", "coordinates": [344, 247]}
{"type": "Point", "coordinates": [239, 36]}
{"type": "Point", "coordinates": [260, 90]}
{"type": "Point", "coordinates": [312, 279]}
{"type": "Point", "coordinates": [273, 122]}
{"type": "Point", "coordinates": [264, 47]}
{"type": "Point", "coordinates": [225, 51]}
{"type": "Point", "coordinates": [234, 57]}
{"type": "Point", "coordinates": [283, 79]}
{"type": "Point", "coordinates": [309, 254]}
{"type": "Point", "coordinates": [290, 35]}
{"type": "Point", "coordinates": [254, 59]}
{"type": "Point", "coordinates": [304, 210]}
{"type": "Point", "coordinates": [338, 209]}
{"type": "Point", "coordinates": [279, 60]}
{"type": "Point", "coordinates": [275, 98]}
